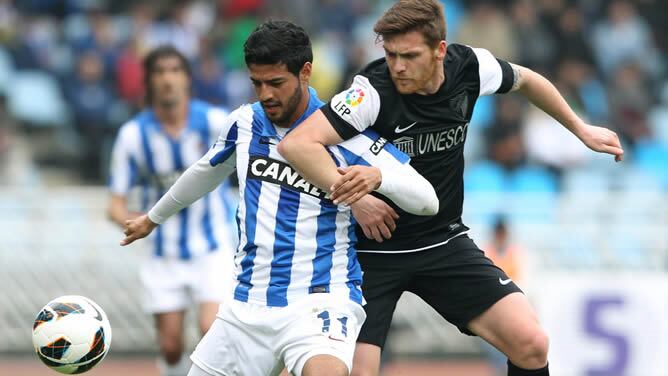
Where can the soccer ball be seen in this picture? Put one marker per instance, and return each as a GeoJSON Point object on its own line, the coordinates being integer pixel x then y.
{"type": "Point", "coordinates": [71, 334]}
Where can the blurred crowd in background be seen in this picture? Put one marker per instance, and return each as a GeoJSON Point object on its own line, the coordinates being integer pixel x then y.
{"type": "Point", "coordinates": [71, 74]}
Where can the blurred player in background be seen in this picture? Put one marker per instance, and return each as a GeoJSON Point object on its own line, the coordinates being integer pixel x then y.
{"type": "Point", "coordinates": [421, 97]}
{"type": "Point", "coordinates": [192, 253]}
{"type": "Point", "coordinates": [297, 300]}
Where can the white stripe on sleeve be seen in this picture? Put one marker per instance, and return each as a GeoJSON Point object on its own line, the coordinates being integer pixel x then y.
{"type": "Point", "coordinates": [489, 71]}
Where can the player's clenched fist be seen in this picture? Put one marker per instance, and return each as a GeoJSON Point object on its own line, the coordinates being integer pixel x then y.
{"type": "Point", "coordinates": [137, 228]}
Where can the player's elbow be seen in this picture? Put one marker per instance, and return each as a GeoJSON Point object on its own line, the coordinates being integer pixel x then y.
{"type": "Point", "coordinates": [288, 147]}
{"type": "Point", "coordinates": [432, 205]}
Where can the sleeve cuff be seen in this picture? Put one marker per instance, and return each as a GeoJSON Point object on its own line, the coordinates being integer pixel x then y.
{"type": "Point", "coordinates": [345, 130]}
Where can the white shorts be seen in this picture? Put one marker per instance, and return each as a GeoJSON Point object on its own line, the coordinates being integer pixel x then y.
{"type": "Point", "coordinates": [172, 285]}
{"type": "Point", "coordinates": [250, 339]}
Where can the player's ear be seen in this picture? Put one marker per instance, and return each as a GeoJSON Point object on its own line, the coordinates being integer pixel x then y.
{"type": "Point", "coordinates": [305, 72]}
{"type": "Point", "coordinates": [441, 50]}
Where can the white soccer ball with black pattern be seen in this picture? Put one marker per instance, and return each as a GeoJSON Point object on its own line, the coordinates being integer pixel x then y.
{"type": "Point", "coordinates": [71, 334]}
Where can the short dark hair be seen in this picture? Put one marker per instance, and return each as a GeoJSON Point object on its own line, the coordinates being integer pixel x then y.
{"type": "Point", "coordinates": [151, 60]}
{"type": "Point", "coordinates": [425, 16]}
{"type": "Point", "coordinates": [276, 42]}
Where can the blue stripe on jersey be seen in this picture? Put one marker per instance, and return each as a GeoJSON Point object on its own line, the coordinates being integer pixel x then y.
{"type": "Point", "coordinates": [184, 252]}
{"type": "Point", "coordinates": [134, 172]}
{"type": "Point", "coordinates": [148, 157]}
{"type": "Point", "coordinates": [230, 144]}
{"type": "Point", "coordinates": [336, 160]}
{"type": "Point", "coordinates": [388, 147]}
{"type": "Point", "coordinates": [251, 199]}
{"type": "Point", "coordinates": [325, 240]}
{"type": "Point", "coordinates": [284, 248]}
{"type": "Point", "coordinates": [252, 189]}
{"type": "Point", "coordinates": [207, 226]}
{"type": "Point", "coordinates": [144, 195]}
{"type": "Point", "coordinates": [354, 269]}
{"type": "Point", "coordinates": [352, 158]}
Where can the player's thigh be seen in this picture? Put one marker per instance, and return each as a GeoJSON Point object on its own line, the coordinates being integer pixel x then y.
{"type": "Point", "coordinates": [366, 360]}
{"type": "Point", "coordinates": [169, 326]}
{"type": "Point", "coordinates": [460, 282]}
{"type": "Point", "coordinates": [233, 345]}
{"type": "Point", "coordinates": [321, 325]}
{"type": "Point", "coordinates": [509, 325]}
{"type": "Point", "coordinates": [207, 314]}
{"type": "Point", "coordinates": [384, 281]}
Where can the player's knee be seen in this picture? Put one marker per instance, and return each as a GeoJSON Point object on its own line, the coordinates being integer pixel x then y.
{"type": "Point", "coordinates": [172, 350]}
{"type": "Point", "coordinates": [325, 365]}
{"type": "Point", "coordinates": [533, 350]}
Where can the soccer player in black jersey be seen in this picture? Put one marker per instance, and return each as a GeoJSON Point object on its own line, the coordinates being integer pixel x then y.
{"type": "Point", "coordinates": [421, 98]}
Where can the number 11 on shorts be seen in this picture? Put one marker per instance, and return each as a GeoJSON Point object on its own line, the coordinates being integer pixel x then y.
{"type": "Point", "coordinates": [333, 328]}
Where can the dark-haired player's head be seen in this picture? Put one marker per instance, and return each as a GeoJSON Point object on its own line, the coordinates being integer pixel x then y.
{"type": "Point", "coordinates": [278, 55]}
{"type": "Point", "coordinates": [167, 77]}
{"type": "Point", "coordinates": [413, 34]}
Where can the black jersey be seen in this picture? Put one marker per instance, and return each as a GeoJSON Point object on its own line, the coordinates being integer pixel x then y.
{"type": "Point", "coordinates": [431, 129]}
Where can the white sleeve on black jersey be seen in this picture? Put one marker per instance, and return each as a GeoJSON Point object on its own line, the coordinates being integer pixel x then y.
{"type": "Point", "coordinates": [400, 182]}
{"type": "Point", "coordinates": [355, 109]}
{"type": "Point", "coordinates": [495, 75]}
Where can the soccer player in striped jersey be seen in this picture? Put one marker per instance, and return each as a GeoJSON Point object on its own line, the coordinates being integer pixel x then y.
{"type": "Point", "coordinates": [191, 256]}
{"type": "Point", "coordinates": [297, 301]}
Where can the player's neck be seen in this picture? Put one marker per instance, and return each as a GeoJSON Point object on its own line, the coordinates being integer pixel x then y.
{"type": "Point", "coordinates": [172, 117]}
{"type": "Point", "coordinates": [434, 83]}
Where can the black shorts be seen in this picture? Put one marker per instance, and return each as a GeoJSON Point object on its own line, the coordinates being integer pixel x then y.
{"type": "Point", "coordinates": [456, 279]}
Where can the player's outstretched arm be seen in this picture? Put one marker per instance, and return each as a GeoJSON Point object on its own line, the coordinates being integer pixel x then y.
{"type": "Point", "coordinates": [545, 96]}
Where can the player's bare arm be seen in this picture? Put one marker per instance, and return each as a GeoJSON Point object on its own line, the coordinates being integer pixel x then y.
{"type": "Point", "coordinates": [309, 139]}
{"type": "Point", "coordinates": [545, 96]}
{"type": "Point", "coordinates": [118, 210]}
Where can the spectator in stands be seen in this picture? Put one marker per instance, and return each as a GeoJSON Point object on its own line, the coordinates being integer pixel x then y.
{"type": "Point", "coordinates": [208, 82]}
{"type": "Point", "coordinates": [130, 74]}
{"type": "Point", "coordinates": [631, 102]}
{"type": "Point", "coordinates": [504, 135]}
{"type": "Point", "coordinates": [632, 40]}
{"type": "Point", "coordinates": [505, 254]}
{"type": "Point", "coordinates": [536, 46]}
{"type": "Point", "coordinates": [92, 99]}
{"type": "Point", "coordinates": [485, 26]}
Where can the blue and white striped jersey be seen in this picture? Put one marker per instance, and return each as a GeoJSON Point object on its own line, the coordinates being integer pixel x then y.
{"type": "Point", "coordinates": [144, 155]}
{"type": "Point", "coordinates": [293, 239]}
